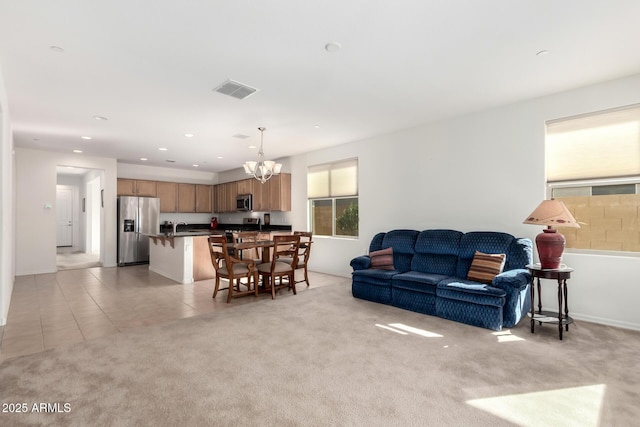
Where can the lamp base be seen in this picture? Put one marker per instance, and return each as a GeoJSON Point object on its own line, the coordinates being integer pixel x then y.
{"type": "Point", "coordinates": [550, 245]}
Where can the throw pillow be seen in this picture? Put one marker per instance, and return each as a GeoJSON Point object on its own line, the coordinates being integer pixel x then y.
{"type": "Point", "coordinates": [382, 259]}
{"type": "Point", "coordinates": [485, 267]}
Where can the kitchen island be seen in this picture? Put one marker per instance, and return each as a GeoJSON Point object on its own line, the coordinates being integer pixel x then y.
{"type": "Point", "coordinates": [183, 256]}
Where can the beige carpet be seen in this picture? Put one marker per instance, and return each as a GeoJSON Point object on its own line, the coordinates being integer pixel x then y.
{"type": "Point", "coordinates": [324, 358]}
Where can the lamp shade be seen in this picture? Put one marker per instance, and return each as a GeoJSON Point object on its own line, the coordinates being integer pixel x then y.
{"type": "Point", "coordinates": [552, 212]}
{"type": "Point", "coordinates": [550, 243]}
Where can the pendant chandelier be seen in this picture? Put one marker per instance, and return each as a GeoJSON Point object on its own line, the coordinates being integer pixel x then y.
{"type": "Point", "coordinates": [263, 169]}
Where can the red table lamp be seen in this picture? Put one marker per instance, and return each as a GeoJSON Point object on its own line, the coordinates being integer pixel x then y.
{"type": "Point", "coordinates": [550, 243]}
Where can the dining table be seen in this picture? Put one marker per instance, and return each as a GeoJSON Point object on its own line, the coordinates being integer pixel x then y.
{"type": "Point", "coordinates": [265, 245]}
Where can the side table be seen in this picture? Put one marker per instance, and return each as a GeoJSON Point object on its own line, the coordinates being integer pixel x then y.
{"type": "Point", "coordinates": [561, 275]}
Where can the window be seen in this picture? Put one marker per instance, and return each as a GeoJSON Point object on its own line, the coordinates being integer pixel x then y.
{"type": "Point", "coordinates": [332, 190]}
{"type": "Point", "coordinates": [593, 166]}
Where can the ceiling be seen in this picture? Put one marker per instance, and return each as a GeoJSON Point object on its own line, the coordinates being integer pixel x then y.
{"type": "Point", "coordinates": [150, 67]}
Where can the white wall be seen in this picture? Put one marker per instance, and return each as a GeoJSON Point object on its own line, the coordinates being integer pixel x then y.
{"type": "Point", "coordinates": [7, 213]}
{"type": "Point", "coordinates": [483, 171]}
{"type": "Point", "coordinates": [36, 224]}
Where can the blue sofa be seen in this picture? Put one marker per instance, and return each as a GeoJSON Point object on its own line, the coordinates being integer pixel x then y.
{"type": "Point", "coordinates": [430, 276]}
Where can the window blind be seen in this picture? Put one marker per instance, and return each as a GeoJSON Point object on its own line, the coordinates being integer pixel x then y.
{"type": "Point", "coordinates": [594, 146]}
{"type": "Point", "coordinates": [337, 179]}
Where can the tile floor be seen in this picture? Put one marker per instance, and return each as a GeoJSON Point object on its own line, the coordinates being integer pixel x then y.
{"type": "Point", "coordinates": [50, 310]}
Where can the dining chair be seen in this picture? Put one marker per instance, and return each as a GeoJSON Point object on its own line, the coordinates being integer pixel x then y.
{"type": "Point", "coordinates": [304, 251]}
{"type": "Point", "coordinates": [232, 269]}
{"type": "Point", "coordinates": [284, 247]}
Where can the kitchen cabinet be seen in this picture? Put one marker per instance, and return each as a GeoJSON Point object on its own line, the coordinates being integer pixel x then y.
{"type": "Point", "coordinates": [146, 188]}
{"type": "Point", "coordinates": [126, 187]}
{"type": "Point", "coordinates": [186, 197]}
{"type": "Point", "coordinates": [168, 194]}
{"type": "Point", "coordinates": [280, 192]}
{"type": "Point", "coordinates": [203, 198]}
{"type": "Point", "coordinates": [225, 197]}
{"type": "Point", "coordinates": [273, 195]}
{"type": "Point", "coordinates": [245, 186]}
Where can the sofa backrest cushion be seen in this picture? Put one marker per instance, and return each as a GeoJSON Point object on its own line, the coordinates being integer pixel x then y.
{"type": "Point", "coordinates": [436, 252]}
{"type": "Point", "coordinates": [376, 242]}
{"type": "Point", "coordinates": [402, 242]}
{"type": "Point", "coordinates": [520, 254]}
{"type": "Point", "coordinates": [489, 242]}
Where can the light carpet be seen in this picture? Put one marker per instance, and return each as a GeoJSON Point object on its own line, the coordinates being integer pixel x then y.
{"type": "Point", "coordinates": [324, 358]}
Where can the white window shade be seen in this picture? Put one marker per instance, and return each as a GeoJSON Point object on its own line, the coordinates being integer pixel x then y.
{"type": "Point", "coordinates": [338, 179]}
{"type": "Point", "coordinates": [601, 145]}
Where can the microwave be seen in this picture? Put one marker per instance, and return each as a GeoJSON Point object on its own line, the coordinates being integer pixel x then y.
{"type": "Point", "coordinates": [244, 202]}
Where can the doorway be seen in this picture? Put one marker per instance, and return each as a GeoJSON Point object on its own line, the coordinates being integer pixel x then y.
{"type": "Point", "coordinates": [80, 217]}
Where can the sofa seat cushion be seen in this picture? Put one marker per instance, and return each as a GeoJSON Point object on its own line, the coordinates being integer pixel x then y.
{"type": "Point", "coordinates": [470, 291]}
{"type": "Point", "coordinates": [374, 276]}
{"type": "Point", "coordinates": [416, 281]}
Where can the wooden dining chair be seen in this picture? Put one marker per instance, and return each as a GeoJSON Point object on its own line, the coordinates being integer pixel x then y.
{"type": "Point", "coordinates": [232, 269]}
{"type": "Point", "coordinates": [284, 247]}
{"type": "Point", "coordinates": [304, 251]}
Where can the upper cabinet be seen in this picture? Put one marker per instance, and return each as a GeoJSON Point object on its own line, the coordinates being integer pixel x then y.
{"type": "Point", "coordinates": [126, 187]}
{"type": "Point", "coordinates": [203, 198]}
{"type": "Point", "coordinates": [146, 188]}
{"type": "Point", "coordinates": [186, 197]}
{"type": "Point", "coordinates": [136, 187]}
{"type": "Point", "coordinates": [168, 194]}
{"type": "Point", "coordinates": [273, 195]}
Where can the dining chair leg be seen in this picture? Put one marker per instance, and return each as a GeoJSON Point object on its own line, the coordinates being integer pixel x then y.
{"type": "Point", "coordinates": [255, 284]}
{"type": "Point", "coordinates": [292, 282]}
{"type": "Point", "coordinates": [215, 290]}
{"type": "Point", "coordinates": [230, 291]}
{"type": "Point", "coordinates": [306, 276]}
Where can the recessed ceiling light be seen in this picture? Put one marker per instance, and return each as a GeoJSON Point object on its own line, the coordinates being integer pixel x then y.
{"type": "Point", "coordinates": [85, 137]}
{"type": "Point", "coordinates": [317, 126]}
{"type": "Point", "coordinates": [332, 47]}
{"type": "Point", "coordinates": [100, 118]}
{"type": "Point", "coordinates": [542, 53]}
{"type": "Point", "coordinates": [195, 165]}
{"type": "Point", "coordinates": [220, 157]}
{"type": "Point", "coordinates": [162, 149]}
{"type": "Point", "coordinates": [144, 159]}
{"type": "Point", "coordinates": [188, 135]}
{"type": "Point", "coordinates": [56, 49]}
{"type": "Point", "coordinates": [240, 136]}
{"type": "Point", "coordinates": [77, 151]}
{"type": "Point", "coordinates": [252, 147]}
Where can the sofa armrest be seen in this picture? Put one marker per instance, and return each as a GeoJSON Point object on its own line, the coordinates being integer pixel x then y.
{"type": "Point", "coordinates": [516, 278]}
{"type": "Point", "coordinates": [361, 263]}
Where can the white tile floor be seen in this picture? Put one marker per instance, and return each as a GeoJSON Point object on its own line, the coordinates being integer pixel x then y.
{"type": "Point", "coordinates": [50, 310]}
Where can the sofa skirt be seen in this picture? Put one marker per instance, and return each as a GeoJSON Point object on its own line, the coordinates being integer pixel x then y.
{"type": "Point", "coordinates": [420, 302]}
{"type": "Point", "coordinates": [371, 292]}
{"type": "Point", "coordinates": [484, 316]}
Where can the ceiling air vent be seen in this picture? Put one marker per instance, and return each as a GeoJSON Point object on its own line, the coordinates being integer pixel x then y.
{"type": "Point", "coordinates": [235, 89]}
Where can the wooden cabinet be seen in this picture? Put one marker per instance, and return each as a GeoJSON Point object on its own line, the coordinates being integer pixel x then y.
{"type": "Point", "coordinates": [135, 187]}
{"type": "Point", "coordinates": [186, 197]}
{"type": "Point", "coordinates": [126, 187]}
{"type": "Point", "coordinates": [261, 196]}
{"type": "Point", "coordinates": [280, 192]}
{"type": "Point", "coordinates": [146, 188]}
{"type": "Point", "coordinates": [168, 194]}
{"type": "Point", "coordinates": [273, 195]}
{"type": "Point", "coordinates": [225, 197]}
{"type": "Point", "coordinates": [245, 186]}
{"type": "Point", "coordinates": [203, 199]}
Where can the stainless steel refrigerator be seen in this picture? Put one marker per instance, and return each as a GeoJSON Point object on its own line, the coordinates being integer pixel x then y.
{"type": "Point", "coordinates": [137, 218]}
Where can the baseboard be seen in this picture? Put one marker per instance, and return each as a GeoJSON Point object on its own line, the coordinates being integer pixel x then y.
{"type": "Point", "coordinates": [183, 280]}
{"type": "Point", "coordinates": [606, 321]}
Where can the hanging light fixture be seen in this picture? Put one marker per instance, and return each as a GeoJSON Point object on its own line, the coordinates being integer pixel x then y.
{"type": "Point", "coordinates": [263, 169]}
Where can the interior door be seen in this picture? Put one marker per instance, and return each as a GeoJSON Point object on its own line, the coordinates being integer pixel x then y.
{"type": "Point", "coordinates": [64, 215]}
